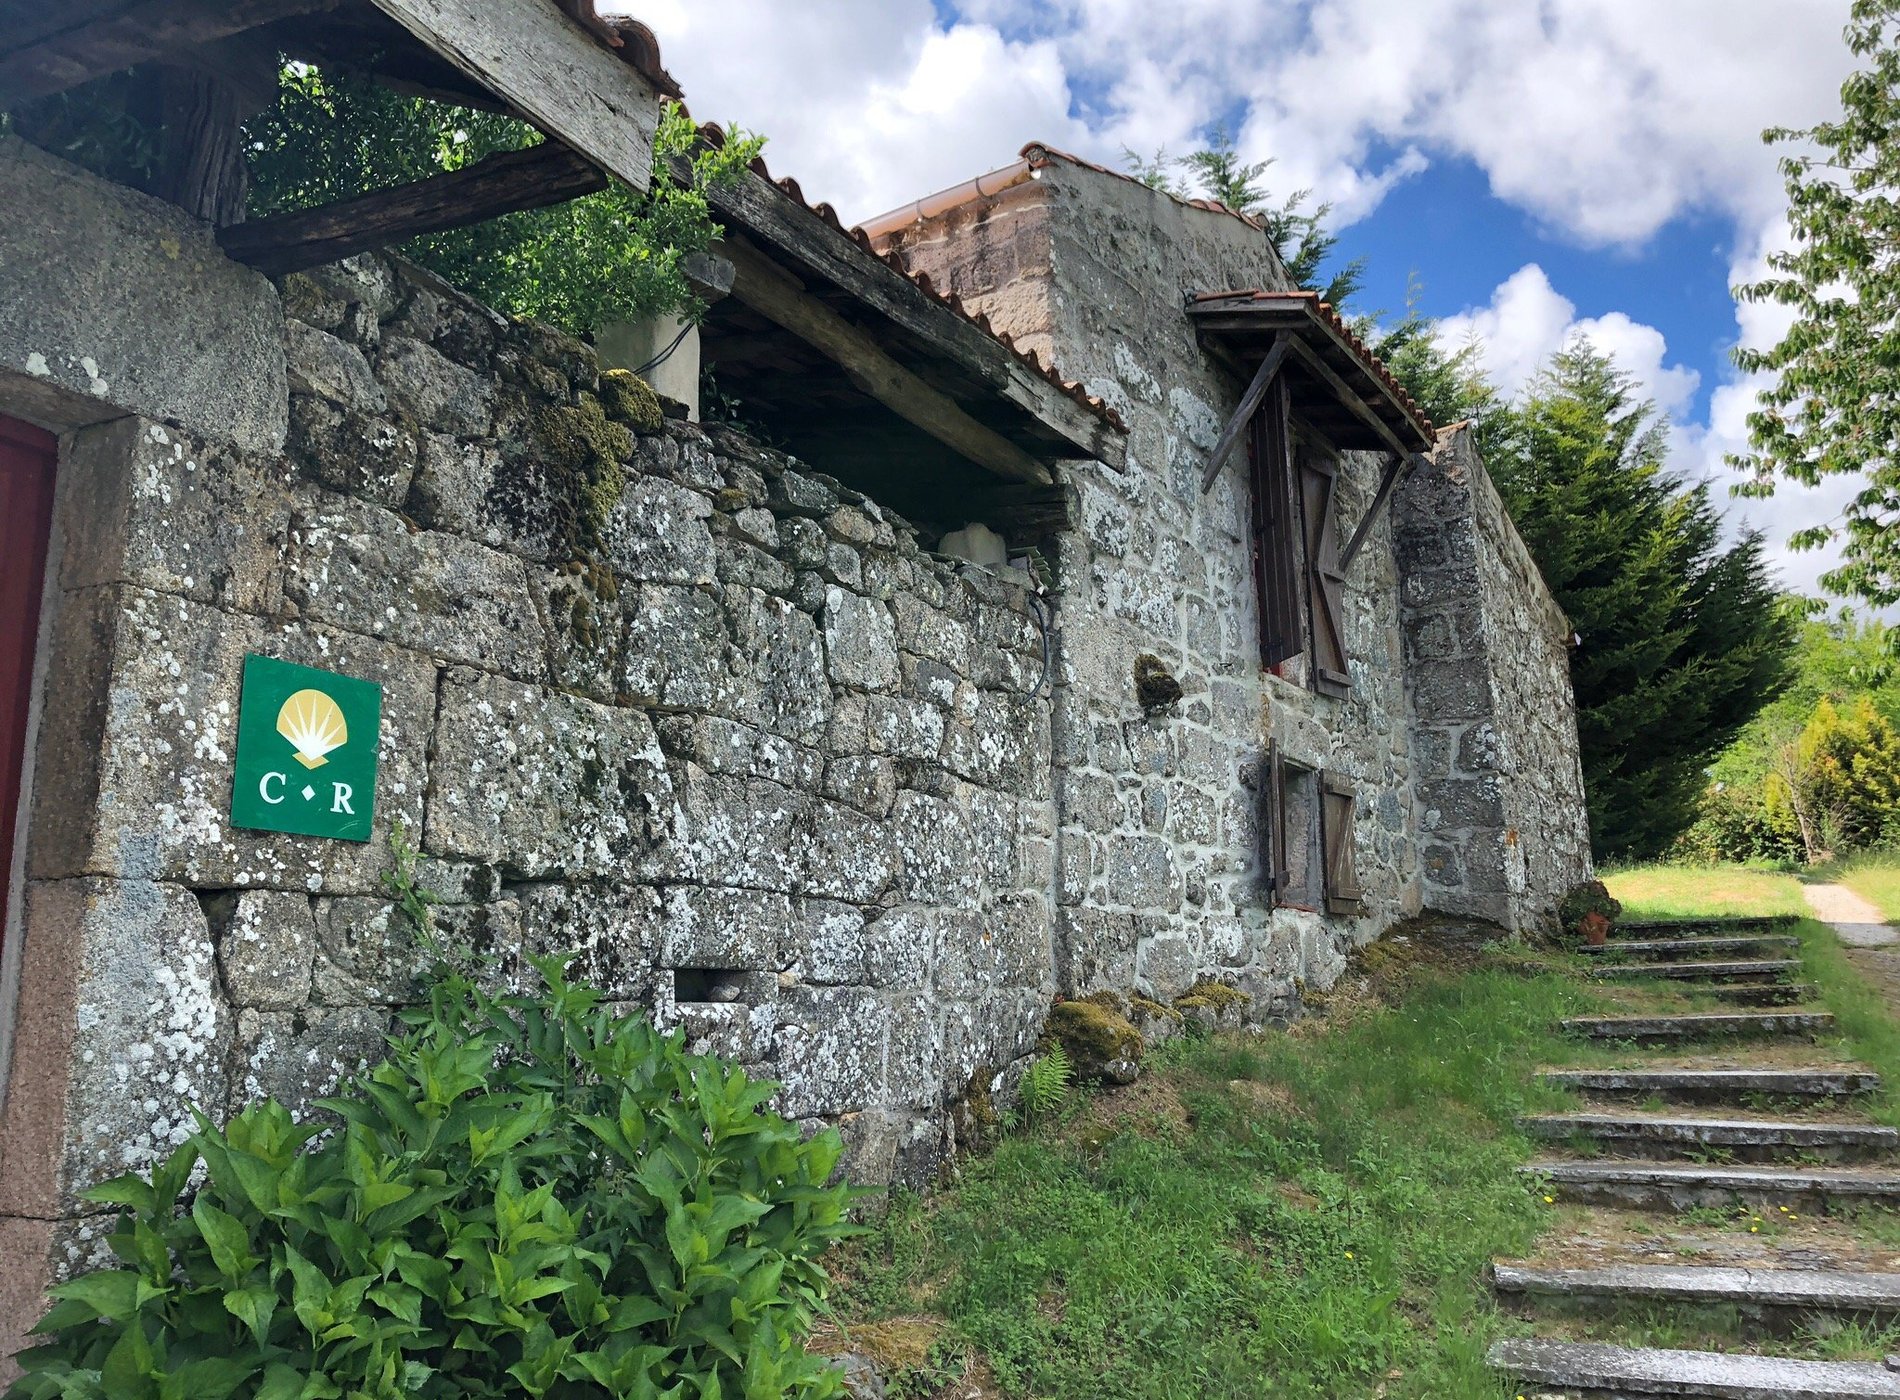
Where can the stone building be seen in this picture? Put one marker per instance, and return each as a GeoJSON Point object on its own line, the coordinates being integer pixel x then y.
{"type": "Point", "coordinates": [756, 720]}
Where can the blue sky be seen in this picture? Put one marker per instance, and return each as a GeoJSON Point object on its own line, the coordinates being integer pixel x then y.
{"type": "Point", "coordinates": [1444, 227]}
{"type": "Point", "coordinates": [1547, 168]}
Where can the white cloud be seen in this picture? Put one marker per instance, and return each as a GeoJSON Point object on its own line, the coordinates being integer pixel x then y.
{"type": "Point", "coordinates": [1602, 119]}
{"type": "Point", "coordinates": [1528, 321]}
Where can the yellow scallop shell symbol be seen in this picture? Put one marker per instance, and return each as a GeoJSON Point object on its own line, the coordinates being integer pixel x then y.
{"type": "Point", "coordinates": [314, 725]}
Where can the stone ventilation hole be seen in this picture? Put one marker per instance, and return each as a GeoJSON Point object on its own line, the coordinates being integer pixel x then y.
{"type": "Point", "coordinates": [1155, 685]}
{"type": "Point", "coordinates": [712, 984]}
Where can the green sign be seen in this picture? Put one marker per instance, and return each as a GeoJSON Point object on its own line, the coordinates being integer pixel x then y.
{"type": "Point", "coordinates": [306, 751]}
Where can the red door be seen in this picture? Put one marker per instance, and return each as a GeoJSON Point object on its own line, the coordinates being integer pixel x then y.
{"type": "Point", "coordinates": [26, 513]}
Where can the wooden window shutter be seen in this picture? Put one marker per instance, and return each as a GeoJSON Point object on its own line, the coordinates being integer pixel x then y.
{"type": "Point", "coordinates": [1275, 531]}
{"type": "Point", "coordinates": [1325, 581]}
{"type": "Point", "coordinates": [1343, 895]}
{"type": "Point", "coordinates": [1270, 824]}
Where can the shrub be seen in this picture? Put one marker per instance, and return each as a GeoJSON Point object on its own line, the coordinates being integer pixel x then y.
{"type": "Point", "coordinates": [531, 1197]}
{"type": "Point", "coordinates": [1590, 897]}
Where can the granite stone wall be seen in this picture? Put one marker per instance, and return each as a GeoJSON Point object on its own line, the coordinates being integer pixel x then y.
{"type": "Point", "coordinates": [652, 693]}
{"type": "Point", "coordinates": [1158, 854]}
{"type": "Point", "coordinates": [1504, 829]}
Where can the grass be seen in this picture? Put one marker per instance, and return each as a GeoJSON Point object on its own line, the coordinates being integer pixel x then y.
{"type": "Point", "coordinates": [1315, 1224]}
{"type": "Point", "coordinates": [1681, 891]}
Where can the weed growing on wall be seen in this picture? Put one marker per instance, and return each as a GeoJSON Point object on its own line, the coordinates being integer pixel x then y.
{"type": "Point", "coordinates": [531, 1197]}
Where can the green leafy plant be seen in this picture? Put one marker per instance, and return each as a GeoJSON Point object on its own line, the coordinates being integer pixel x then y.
{"type": "Point", "coordinates": [1047, 1082]}
{"type": "Point", "coordinates": [531, 1197]}
{"type": "Point", "coordinates": [415, 901]}
{"type": "Point", "coordinates": [615, 255]}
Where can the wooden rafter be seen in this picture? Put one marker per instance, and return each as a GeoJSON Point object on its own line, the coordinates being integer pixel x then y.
{"type": "Point", "coordinates": [1394, 469]}
{"type": "Point", "coordinates": [496, 185]}
{"type": "Point", "coordinates": [777, 295]}
{"type": "Point", "coordinates": [62, 60]}
{"type": "Point", "coordinates": [1349, 397]}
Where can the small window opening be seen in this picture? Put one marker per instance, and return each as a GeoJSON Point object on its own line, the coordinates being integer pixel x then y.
{"type": "Point", "coordinates": [708, 984]}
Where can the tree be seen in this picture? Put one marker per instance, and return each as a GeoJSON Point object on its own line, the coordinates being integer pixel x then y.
{"type": "Point", "coordinates": [615, 255]}
{"type": "Point", "coordinates": [1682, 640]}
{"type": "Point", "coordinates": [1833, 408]}
{"type": "Point", "coordinates": [1848, 779]}
{"type": "Point", "coordinates": [1299, 235]}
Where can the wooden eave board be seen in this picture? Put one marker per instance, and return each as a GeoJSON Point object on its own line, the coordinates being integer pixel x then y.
{"type": "Point", "coordinates": [1247, 327]}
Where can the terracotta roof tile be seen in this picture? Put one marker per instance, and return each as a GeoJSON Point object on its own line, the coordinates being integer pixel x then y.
{"type": "Point", "coordinates": [713, 134]}
{"type": "Point", "coordinates": [629, 38]}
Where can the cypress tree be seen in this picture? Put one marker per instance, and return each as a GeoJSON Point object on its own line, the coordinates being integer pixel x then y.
{"type": "Point", "coordinates": [1682, 641]}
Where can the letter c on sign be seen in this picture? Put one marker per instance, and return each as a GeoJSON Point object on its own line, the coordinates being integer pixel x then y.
{"type": "Point", "coordinates": [263, 788]}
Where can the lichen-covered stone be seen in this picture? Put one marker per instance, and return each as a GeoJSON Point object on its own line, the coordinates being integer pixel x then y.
{"type": "Point", "coordinates": [541, 784]}
{"type": "Point", "coordinates": [298, 1058]}
{"type": "Point", "coordinates": [611, 932]}
{"type": "Point", "coordinates": [364, 570]}
{"type": "Point", "coordinates": [143, 504]}
{"type": "Point", "coordinates": [266, 941]}
{"type": "Point", "coordinates": [361, 455]}
{"type": "Point", "coordinates": [710, 927]}
{"type": "Point", "coordinates": [432, 390]}
{"type": "Point", "coordinates": [135, 778]}
{"type": "Point", "coordinates": [860, 645]}
{"type": "Point", "coordinates": [657, 533]}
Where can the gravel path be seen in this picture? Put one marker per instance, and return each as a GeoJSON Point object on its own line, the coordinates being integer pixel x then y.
{"type": "Point", "coordinates": [1856, 921]}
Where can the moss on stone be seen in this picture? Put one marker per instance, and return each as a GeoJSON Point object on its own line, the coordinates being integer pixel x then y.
{"type": "Point", "coordinates": [1141, 1006]}
{"type": "Point", "coordinates": [978, 1124]}
{"type": "Point", "coordinates": [630, 399]}
{"type": "Point", "coordinates": [583, 454]}
{"type": "Point", "coordinates": [1213, 996]}
{"type": "Point", "coordinates": [1094, 1036]}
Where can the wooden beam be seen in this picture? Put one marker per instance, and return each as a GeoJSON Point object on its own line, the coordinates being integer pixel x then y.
{"type": "Point", "coordinates": [776, 295]}
{"type": "Point", "coordinates": [1349, 396]}
{"type": "Point", "coordinates": [549, 69]}
{"type": "Point", "coordinates": [493, 186]}
{"type": "Point", "coordinates": [1027, 512]}
{"type": "Point", "coordinates": [775, 220]}
{"type": "Point", "coordinates": [1244, 412]}
{"type": "Point", "coordinates": [1389, 478]}
{"type": "Point", "coordinates": [137, 34]}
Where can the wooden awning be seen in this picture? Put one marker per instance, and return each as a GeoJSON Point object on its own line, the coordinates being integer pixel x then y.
{"type": "Point", "coordinates": [1339, 386]}
{"type": "Point", "coordinates": [851, 359]}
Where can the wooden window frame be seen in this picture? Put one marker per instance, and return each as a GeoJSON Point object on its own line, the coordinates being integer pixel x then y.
{"type": "Point", "coordinates": [1299, 578]}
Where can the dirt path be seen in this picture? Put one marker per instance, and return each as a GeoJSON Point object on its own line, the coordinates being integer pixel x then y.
{"type": "Point", "coordinates": [1856, 921]}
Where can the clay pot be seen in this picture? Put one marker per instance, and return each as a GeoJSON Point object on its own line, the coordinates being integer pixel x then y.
{"type": "Point", "coordinates": [1594, 928]}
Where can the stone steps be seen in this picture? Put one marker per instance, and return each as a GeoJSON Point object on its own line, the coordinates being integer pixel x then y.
{"type": "Point", "coordinates": [1749, 947]}
{"type": "Point", "coordinates": [1665, 928]}
{"type": "Point", "coordinates": [1746, 1139]}
{"type": "Point", "coordinates": [1716, 1085]}
{"type": "Point", "coordinates": [1697, 1025]}
{"type": "Point", "coordinates": [1759, 968]}
{"type": "Point", "coordinates": [1677, 1186]}
{"type": "Point", "coordinates": [1779, 1295]}
{"type": "Point", "coordinates": [1763, 994]}
{"type": "Point", "coordinates": [1602, 1370]}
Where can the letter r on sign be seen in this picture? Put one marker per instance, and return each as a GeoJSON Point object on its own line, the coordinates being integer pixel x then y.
{"type": "Point", "coordinates": [341, 803]}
